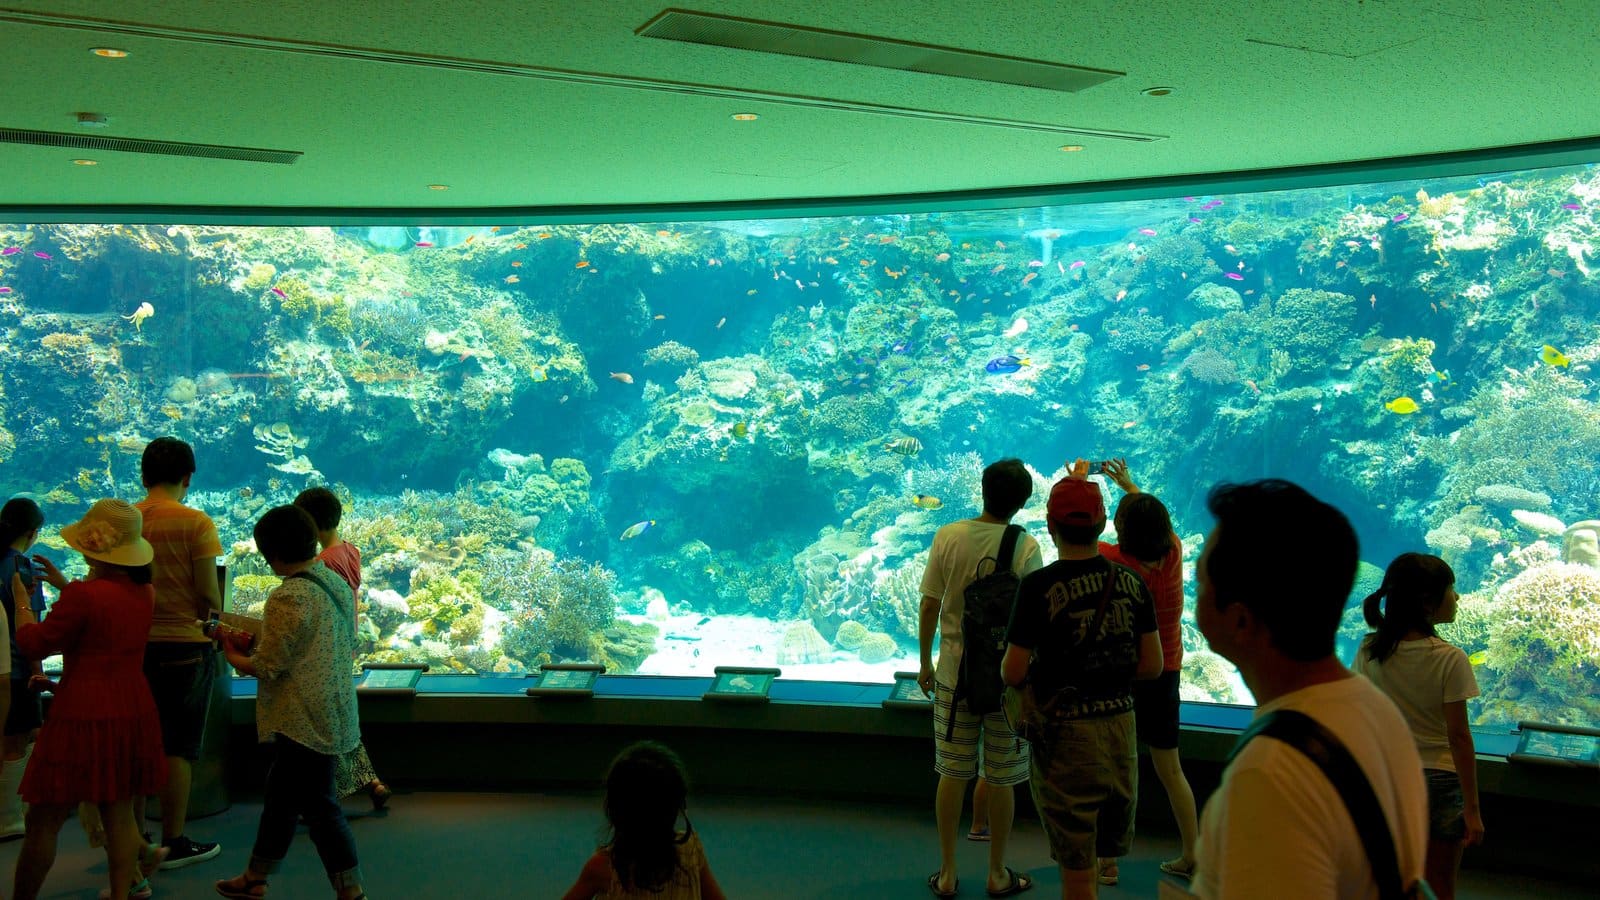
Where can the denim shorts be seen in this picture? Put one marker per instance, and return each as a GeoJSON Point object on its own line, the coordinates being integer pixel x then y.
{"type": "Point", "coordinates": [180, 677]}
{"type": "Point", "coordinates": [1084, 788]}
{"type": "Point", "coordinates": [1445, 803]}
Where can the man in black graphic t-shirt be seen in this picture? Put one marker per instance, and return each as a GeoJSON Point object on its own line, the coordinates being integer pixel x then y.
{"type": "Point", "coordinates": [1084, 772]}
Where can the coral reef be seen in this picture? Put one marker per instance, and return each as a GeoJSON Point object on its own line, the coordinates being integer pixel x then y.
{"type": "Point", "coordinates": [803, 644]}
{"type": "Point", "coordinates": [877, 648]}
{"type": "Point", "coordinates": [850, 635]}
{"type": "Point", "coordinates": [1544, 646]}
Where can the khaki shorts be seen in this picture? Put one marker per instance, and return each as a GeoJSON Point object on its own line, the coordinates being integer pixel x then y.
{"type": "Point", "coordinates": [1085, 789]}
{"type": "Point", "coordinates": [1005, 757]}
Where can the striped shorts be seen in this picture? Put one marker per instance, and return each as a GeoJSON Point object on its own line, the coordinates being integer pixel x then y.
{"type": "Point", "coordinates": [1005, 756]}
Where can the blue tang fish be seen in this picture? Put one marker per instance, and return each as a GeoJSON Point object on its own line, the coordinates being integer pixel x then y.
{"type": "Point", "coordinates": [1005, 365]}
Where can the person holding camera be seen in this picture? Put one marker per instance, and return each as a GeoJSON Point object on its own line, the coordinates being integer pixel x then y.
{"type": "Point", "coordinates": [1083, 628]}
{"type": "Point", "coordinates": [305, 705]}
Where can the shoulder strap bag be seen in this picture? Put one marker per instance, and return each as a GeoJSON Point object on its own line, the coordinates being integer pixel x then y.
{"type": "Point", "coordinates": [1322, 747]}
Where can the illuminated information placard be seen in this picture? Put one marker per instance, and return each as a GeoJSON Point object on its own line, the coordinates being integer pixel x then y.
{"type": "Point", "coordinates": [907, 694]}
{"type": "Point", "coordinates": [737, 684]}
{"type": "Point", "coordinates": [399, 679]}
{"type": "Point", "coordinates": [572, 681]}
{"type": "Point", "coordinates": [1557, 745]}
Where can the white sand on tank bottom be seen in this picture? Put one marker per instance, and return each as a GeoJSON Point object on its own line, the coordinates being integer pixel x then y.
{"type": "Point", "coordinates": [686, 646]}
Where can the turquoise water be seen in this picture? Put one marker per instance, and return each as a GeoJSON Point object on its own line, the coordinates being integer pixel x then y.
{"type": "Point", "coordinates": [671, 446]}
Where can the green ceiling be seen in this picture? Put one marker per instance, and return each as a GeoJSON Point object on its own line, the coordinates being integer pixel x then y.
{"type": "Point", "coordinates": [1371, 79]}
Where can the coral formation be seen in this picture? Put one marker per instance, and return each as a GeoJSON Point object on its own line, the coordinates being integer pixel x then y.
{"type": "Point", "coordinates": [802, 644]}
{"type": "Point", "coordinates": [850, 635]}
{"type": "Point", "coordinates": [877, 648]}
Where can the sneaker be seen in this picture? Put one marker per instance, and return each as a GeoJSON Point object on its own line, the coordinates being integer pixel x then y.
{"type": "Point", "coordinates": [184, 852]}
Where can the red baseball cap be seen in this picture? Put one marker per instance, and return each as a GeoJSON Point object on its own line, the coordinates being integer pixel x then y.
{"type": "Point", "coordinates": [1076, 500]}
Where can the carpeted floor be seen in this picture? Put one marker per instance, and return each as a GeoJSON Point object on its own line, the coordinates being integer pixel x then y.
{"type": "Point", "coordinates": [466, 846]}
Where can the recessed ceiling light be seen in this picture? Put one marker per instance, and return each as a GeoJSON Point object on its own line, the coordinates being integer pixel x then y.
{"type": "Point", "coordinates": [108, 52]}
{"type": "Point", "coordinates": [1157, 91]}
{"type": "Point", "coordinates": [745, 117]}
{"type": "Point", "coordinates": [85, 162]}
{"type": "Point", "coordinates": [1072, 148]}
{"type": "Point", "coordinates": [438, 187]}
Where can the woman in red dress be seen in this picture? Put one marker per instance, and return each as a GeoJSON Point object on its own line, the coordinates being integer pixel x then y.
{"type": "Point", "coordinates": [102, 741]}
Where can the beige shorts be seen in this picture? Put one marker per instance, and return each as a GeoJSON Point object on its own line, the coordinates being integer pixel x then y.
{"type": "Point", "coordinates": [1005, 757]}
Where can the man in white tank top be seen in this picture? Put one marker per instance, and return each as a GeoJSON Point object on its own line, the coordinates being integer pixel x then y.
{"type": "Point", "coordinates": [1272, 584]}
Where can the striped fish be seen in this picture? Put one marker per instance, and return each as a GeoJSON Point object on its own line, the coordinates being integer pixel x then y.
{"type": "Point", "coordinates": [906, 446]}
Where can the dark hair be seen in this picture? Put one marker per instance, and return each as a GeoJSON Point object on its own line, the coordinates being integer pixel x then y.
{"type": "Point", "coordinates": [1144, 528]}
{"type": "Point", "coordinates": [646, 791]}
{"type": "Point", "coordinates": [1077, 534]}
{"type": "Point", "coordinates": [166, 460]}
{"type": "Point", "coordinates": [1414, 586]}
{"type": "Point", "coordinates": [1006, 487]}
{"type": "Point", "coordinates": [18, 517]}
{"type": "Point", "coordinates": [286, 534]}
{"type": "Point", "coordinates": [137, 574]}
{"type": "Point", "coordinates": [323, 505]}
{"type": "Point", "coordinates": [1288, 557]}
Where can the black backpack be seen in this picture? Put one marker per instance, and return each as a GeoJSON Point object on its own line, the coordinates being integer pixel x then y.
{"type": "Point", "coordinates": [989, 599]}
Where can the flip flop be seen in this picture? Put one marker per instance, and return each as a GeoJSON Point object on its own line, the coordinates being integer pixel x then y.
{"type": "Point", "coordinates": [1020, 881]}
{"type": "Point", "coordinates": [933, 885]}
{"type": "Point", "coordinates": [1107, 875]}
{"type": "Point", "coordinates": [1178, 871]}
{"type": "Point", "coordinates": [977, 835]}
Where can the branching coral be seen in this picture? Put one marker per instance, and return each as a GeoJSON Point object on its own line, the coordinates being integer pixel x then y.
{"type": "Point", "coordinates": [1211, 367]}
{"type": "Point", "coordinates": [554, 605]}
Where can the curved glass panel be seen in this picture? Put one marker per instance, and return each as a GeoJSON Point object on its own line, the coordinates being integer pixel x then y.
{"type": "Point", "coordinates": [668, 447]}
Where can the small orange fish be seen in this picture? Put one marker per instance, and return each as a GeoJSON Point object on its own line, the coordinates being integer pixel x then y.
{"type": "Point", "coordinates": [1373, 300]}
{"type": "Point", "coordinates": [966, 246]}
{"type": "Point", "coordinates": [583, 264]}
{"type": "Point", "coordinates": [516, 264]}
{"type": "Point", "coordinates": [888, 239]}
{"type": "Point", "coordinates": [543, 235]}
{"type": "Point", "coordinates": [1252, 386]}
{"type": "Point", "coordinates": [1121, 294]}
{"type": "Point", "coordinates": [750, 293]}
{"type": "Point", "coordinates": [1129, 424]}
{"type": "Point", "coordinates": [942, 257]}
{"type": "Point", "coordinates": [660, 316]}
{"type": "Point", "coordinates": [469, 239]}
{"type": "Point", "coordinates": [866, 262]}
{"type": "Point", "coordinates": [830, 260]}
{"type": "Point", "coordinates": [1029, 277]}
{"type": "Point", "coordinates": [1339, 264]}
{"type": "Point", "coordinates": [1073, 327]}
{"type": "Point", "coordinates": [1142, 367]}
{"type": "Point", "coordinates": [512, 279]}
{"type": "Point", "coordinates": [520, 247]}
{"type": "Point", "coordinates": [495, 229]}
{"type": "Point", "coordinates": [663, 233]}
{"type": "Point", "coordinates": [998, 269]}
{"type": "Point", "coordinates": [623, 377]}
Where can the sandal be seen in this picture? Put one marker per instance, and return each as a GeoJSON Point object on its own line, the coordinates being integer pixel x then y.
{"type": "Point", "coordinates": [933, 885]}
{"type": "Point", "coordinates": [241, 888]}
{"type": "Point", "coordinates": [1107, 874]}
{"type": "Point", "coordinates": [380, 794]}
{"type": "Point", "coordinates": [151, 856]}
{"type": "Point", "coordinates": [1177, 869]}
{"type": "Point", "coordinates": [1020, 881]}
{"type": "Point", "coordinates": [978, 834]}
{"type": "Point", "coordinates": [141, 890]}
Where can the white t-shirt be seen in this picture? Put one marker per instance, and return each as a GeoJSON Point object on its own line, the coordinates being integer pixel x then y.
{"type": "Point", "coordinates": [1277, 828]}
{"type": "Point", "coordinates": [952, 565]}
{"type": "Point", "coordinates": [1421, 677]}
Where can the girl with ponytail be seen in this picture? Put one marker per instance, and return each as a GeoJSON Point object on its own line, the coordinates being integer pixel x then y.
{"type": "Point", "coordinates": [1430, 681]}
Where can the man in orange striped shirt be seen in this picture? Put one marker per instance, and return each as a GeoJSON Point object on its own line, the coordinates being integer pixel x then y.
{"type": "Point", "coordinates": [180, 662]}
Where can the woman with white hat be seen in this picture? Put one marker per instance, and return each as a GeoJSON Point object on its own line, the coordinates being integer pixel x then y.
{"type": "Point", "coordinates": [102, 741]}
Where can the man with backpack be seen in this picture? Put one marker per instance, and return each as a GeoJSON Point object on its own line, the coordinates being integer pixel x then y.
{"type": "Point", "coordinates": [967, 592]}
{"type": "Point", "coordinates": [1082, 630]}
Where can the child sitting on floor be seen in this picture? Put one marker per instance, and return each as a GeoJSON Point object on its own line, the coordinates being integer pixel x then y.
{"type": "Point", "coordinates": [646, 855]}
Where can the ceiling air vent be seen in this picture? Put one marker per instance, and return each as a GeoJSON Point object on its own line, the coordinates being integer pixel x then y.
{"type": "Point", "coordinates": [865, 50]}
{"type": "Point", "coordinates": [136, 145]}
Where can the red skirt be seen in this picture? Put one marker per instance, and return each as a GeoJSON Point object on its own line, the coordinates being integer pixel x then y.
{"type": "Point", "coordinates": [95, 760]}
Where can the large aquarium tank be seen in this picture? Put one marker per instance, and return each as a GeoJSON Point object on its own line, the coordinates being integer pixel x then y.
{"type": "Point", "coordinates": [668, 446]}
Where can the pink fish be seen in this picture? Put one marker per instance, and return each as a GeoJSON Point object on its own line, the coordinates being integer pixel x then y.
{"type": "Point", "coordinates": [1036, 264]}
{"type": "Point", "coordinates": [41, 254]}
{"type": "Point", "coordinates": [10, 250]}
{"type": "Point", "coordinates": [1233, 275]}
{"type": "Point", "coordinates": [1194, 220]}
{"type": "Point", "coordinates": [1189, 199]}
{"type": "Point", "coordinates": [1076, 264]}
{"type": "Point", "coordinates": [1563, 206]}
{"type": "Point", "coordinates": [5, 290]}
{"type": "Point", "coordinates": [1148, 232]}
{"type": "Point", "coordinates": [423, 244]}
{"type": "Point", "coordinates": [279, 292]}
{"type": "Point", "coordinates": [1400, 217]}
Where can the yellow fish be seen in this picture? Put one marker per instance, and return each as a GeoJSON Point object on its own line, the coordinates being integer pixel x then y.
{"type": "Point", "coordinates": [145, 311]}
{"type": "Point", "coordinates": [1479, 658]}
{"type": "Point", "coordinates": [1554, 357]}
{"type": "Point", "coordinates": [926, 501]}
{"type": "Point", "coordinates": [740, 429]}
{"type": "Point", "coordinates": [636, 529]}
{"type": "Point", "coordinates": [1403, 406]}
